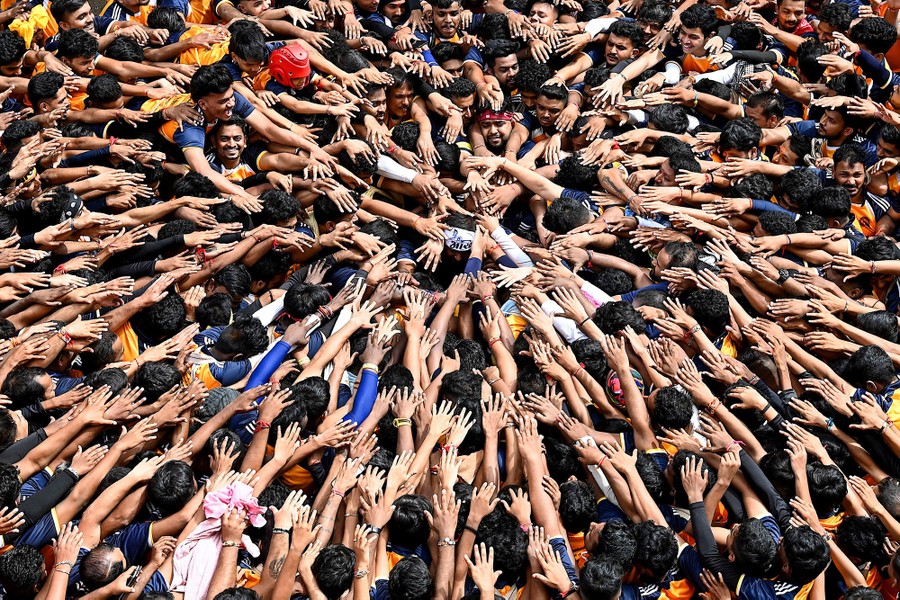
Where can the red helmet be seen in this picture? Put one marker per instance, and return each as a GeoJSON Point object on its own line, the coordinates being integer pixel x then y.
{"type": "Point", "coordinates": [289, 62]}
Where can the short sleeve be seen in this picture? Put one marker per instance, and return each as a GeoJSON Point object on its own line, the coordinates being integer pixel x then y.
{"type": "Point", "coordinates": [242, 106]}
{"type": "Point", "coordinates": [191, 136]}
{"type": "Point", "coordinates": [804, 128]}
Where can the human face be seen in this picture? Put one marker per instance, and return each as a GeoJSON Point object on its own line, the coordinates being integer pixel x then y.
{"type": "Point", "coordinates": [83, 18]}
{"type": "Point", "coordinates": [251, 68]}
{"type": "Point", "coordinates": [82, 67]}
{"type": "Point", "coordinates": [326, 23]}
{"type": "Point", "coordinates": [758, 116]}
{"type": "Point", "coordinates": [666, 175]}
{"type": "Point", "coordinates": [692, 41]}
{"type": "Point", "coordinates": [378, 101]}
{"type": "Point", "coordinates": [789, 14]}
{"type": "Point", "coordinates": [650, 28]}
{"type": "Point", "coordinates": [825, 32]}
{"type": "Point", "coordinates": [496, 132]}
{"type": "Point", "coordinates": [592, 535]}
{"type": "Point", "coordinates": [548, 110]}
{"type": "Point", "coordinates": [13, 69]}
{"type": "Point", "coordinates": [505, 70]}
{"type": "Point", "coordinates": [851, 177]}
{"type": "Point", "coordinates": [465, 105]}
{"type": "Point", "coordinates": [61, 99]}
{"type": "Point", "coordinates": [618, 49]}
{"type": "Point", "coordinates": [887, 150]}
{"type": "Point", "coordinates": [661, 262]}
{"type": "Point", "coordinates": [399, 101]}
{"type": "Point", "coordinates": [446, 20]}
{"type": "Point", "coordinates": [831, 125]}
{"type": "Point", "coordinates": [368, 5]}
{"type": "Point", "coordinates": [218, 106]}
{"type": "Point", "coordinates": [453, 66]}
{"type": "Point", "coordinates": [230, 142]}
{"type": "Point", "coordinates": [785, 156]}
{"type": "Point", "coordinates": [395, 11]}
{"type": "Point", "coordinates": [733, 153]}
{"type": "Point", "coordinates": [529, 100]}
{"type": "Point", "coordinates": [254, 8]}
{"type": "Point", "coordinates": [542, 13]}
{"type": "Point", "coordinates": [45, 382]}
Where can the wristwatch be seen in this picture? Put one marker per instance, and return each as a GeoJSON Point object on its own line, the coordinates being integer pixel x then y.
{"type": "Point", "coordinates": [783, 275]}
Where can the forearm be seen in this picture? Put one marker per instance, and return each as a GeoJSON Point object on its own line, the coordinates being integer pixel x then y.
{"type": "Point", "coordinates": [224, 575]}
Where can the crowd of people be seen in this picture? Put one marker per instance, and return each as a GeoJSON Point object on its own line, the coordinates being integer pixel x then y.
{"type": "Point", "coordinates": [405, 300]}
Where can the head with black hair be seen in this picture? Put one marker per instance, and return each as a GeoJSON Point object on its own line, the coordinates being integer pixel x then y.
{"type": "Point", "coordinates": [214, 310]}
{"type": "Point", "coordinates": [740, 139]}
{"type": "Point", "coordinates": [804, 554]}
{"type": "Point", "coordinates": [165, 17]}
{"type": "Point", "coordinates": [673, 255]}
{"type": "Point", "coordinates": [613, 317]}
{"type": "Point", "coordinates": [279, 208]}
{"type": "Point", "coordinates": [73, 14]}
{"type": "Point", "coordinates": [698, 23]}
{"type": "Point", "coordinates": [25, 386]}
{"type": "Point", "coordinates": [530, 79]}
{"type": "Point", "coordinates": [747, 36]}
{"type": "Point", "coordinates": [105, 92]}
{"type": "Point", "coordinates": [669, 145]}
{"type": "Point", "coordinates": [669, 117]}
{"type": "Point", "coordinates": [47, 92]}
{"type": "Point", "coordinates": [450, 58]}
{"type": "Point", "coordinates": [808, 54]}
{"type": "Point", "coordinates": [302, 300]}
{"type": "Point", "coordinates": [551, 100]}
{"type": "Point", "coordinates": [752, 546]}
{"type": "Point", "coordinates": [623, 42]}
{"type": "Point", "coordinates": [78, 50]}
{"type": "Point", "coordinates": [406, 135]}
{"type": "Point", "coordinates": [601, 578]}
{"type": "Point", "coordinates": [235, 593]}
{"type": "Point", "coordinates": [652, 16]}
{"type": "Point", "coordinates": [501, 60]}
{"type": "Point", "coordinates": [882, 323]}
{"type": "Point", "coordinates": [156, 378]}
{"type": "Point", "coordinates": [211, 89]}
{"type": "Point", "coordinates": [827, 487]}
{"type": "Point", "coordinates": [333, 570]}
{"type": "Point", "coordinates": [850, 168]}
{"type": "Point", "coordinates": [875, 35]}
{"type": "Point", "coordinates": [672, 166]}
{"type": "Point", "coordinates": [22, 571]}
{"type": "Point", "coordinates": [871, 368]}
{"type": "Point", "coordinates": [577, 506]}
{"type": "Point", "coordinates": [408, 525]}
{"type": "Point", "coordinates": [234, 280]}
{"type": "Point", "coordinates": [576, 174]}
{"type": "Point", "coordinates": [799, 187]}
{"type": "Point", "coordinates": [833, 17]}
{"type": "Point", "coordinates": [657, 549]}
{"type": "Point", "coordinates": [248, 49]}
{"type": "Point", "coordinates": [672, 407]}
{"type": "Point", "coordinates": [171, 487]}
{"type": "Point", "coordinates": [410, 579]}
{"type": "Point", "coordinates": [501, 531]}
{"type": "Point", "coordinates": [862, 539]}
{"type": "Point", "coordinates": [12, 53]}
{"type": "Point", "coordinates": [709, 307]}
{"type": "Point", "coordinates": [244, 338]}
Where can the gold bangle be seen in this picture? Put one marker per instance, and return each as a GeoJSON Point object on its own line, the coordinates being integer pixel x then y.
{"type": "Point", "coordinates": [370, 367]}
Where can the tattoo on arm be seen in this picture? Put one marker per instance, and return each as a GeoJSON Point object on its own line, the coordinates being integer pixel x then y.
{"type": "Point", "coordinates": [276, 565]}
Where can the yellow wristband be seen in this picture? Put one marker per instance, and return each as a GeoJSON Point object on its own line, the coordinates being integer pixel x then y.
{"type": "Point", "coordinates": [371, 367]}
{"type": "Point", "coordinates": [303, 361]}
